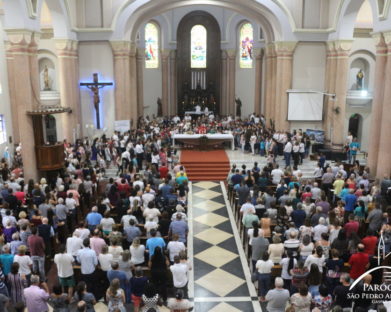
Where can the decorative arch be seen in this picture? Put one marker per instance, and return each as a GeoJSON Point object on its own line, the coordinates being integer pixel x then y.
{"type": "Point", "coordinates": [133, 13]}
{"type": "Point", "coordinates": [346, 16]}
{"type": "Point", "coordinates": [245, 44]}
{"type": "Point", "coordinates": [152, 44]}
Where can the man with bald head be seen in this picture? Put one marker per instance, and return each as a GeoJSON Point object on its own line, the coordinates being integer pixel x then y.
{"type": "Point", "coordinates": [46, 231]}
{"type": "Point", "coordinates": [359, 262]}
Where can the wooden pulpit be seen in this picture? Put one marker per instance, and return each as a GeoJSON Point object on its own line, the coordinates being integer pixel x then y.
{"type": "Point", "coordinates": [50, 157]}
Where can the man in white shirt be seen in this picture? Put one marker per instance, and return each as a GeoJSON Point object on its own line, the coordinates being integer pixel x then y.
{"type": "Point", "coordinates": [125, 219]}
{"type": "Point", "coordinates": [246, 208]}
{"type": "Point", "coordinates": [147, 197]}
{"type": "Point", "coordinates": [64, 264]}
{"type": "Point", "coordinates": [287, 153]}
{"type": "Point", "coordinates": [180, 275]}
{"type": "Point", "coordinates": [151, 212]}
{"type": "Point", "coordinates": [138, 182]}
{"type": "Point", "coordinates": [74, 244]}
{"type": "Point", "coordinates": [277, 174]}
{"type": "Point", "coordinates": [174, 247]}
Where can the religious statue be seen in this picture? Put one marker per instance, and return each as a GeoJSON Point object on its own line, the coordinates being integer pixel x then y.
{"type": "Point", "coordinates": [46, 79]}
{"type": "Point", "coordinates": [159, 107]}
{"type": "Point", "coordinates": [238, 107]}
{"type": "Point", "coordinates": [359, 79]}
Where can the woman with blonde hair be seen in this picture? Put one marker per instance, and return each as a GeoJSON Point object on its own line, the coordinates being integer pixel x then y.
{"type": "Point", "coordinates": [137, 251]}
{"type": "Point", "coordinates": [115, 297]}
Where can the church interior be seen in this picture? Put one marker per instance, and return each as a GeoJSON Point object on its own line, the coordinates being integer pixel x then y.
{"type": "Point", "coordinates": [78, 74]}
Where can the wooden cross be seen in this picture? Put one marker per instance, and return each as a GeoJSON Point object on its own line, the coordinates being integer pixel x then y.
{"type": "Point", "coordinates": [94, 87]}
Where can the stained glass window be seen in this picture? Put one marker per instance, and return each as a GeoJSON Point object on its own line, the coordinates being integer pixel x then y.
{"type": "Point", "coordinates": [198, 46]}
{"type": "Point", "coordinates": [151, 46]}
{"type": "Point", "coordinates": [246, 46]}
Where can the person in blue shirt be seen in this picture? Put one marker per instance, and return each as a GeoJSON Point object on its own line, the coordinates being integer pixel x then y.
{"type": "Point", "coordinates": [262, 147]}
{"type": "Point", "coordinates": [350, 203]}
{"type": "Point", "coordinates": [353, 148]}
{"type": "Point", "coordinates": [93, 218]}
{"type": "Point", "coordinates": [154, 242]}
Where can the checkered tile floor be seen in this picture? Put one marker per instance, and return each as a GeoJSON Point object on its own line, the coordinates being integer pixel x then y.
{"type": "Point", "coordinates": [219, 279]}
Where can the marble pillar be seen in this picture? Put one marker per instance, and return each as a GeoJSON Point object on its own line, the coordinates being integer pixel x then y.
{"type": "Point", "coordinates": [121, 52]}
{"type": "Point", "coordinates": [268, 80]}
{"type": "Point", "coordinates": [68, 68]}
{"type": "Point", "coordinates": [342, 49]}
{"type": "Point", "coordinates": [22, 48]}
{"type": "Point", "coordinates": [165, 81]}
{"type": "Point", "coordinates": [173, 101]}
{"type": "Point", "coordinates": [11, 86]}
{"type": "Point", "coordinates": [284, 58]}
{"type": "Point", "coordinates": [135, 110]}
{"type": "Point", "coordinates": [140, 56]}
{"type": "Point", "coordinates": [224, 84]}
{"type": "Point", "coordinates": [231, 77]}
{"type": "Point", "coordinates": [384, 146]}
{"type": "Point", "coordinates": [377, 103]}
{"type": "Point", "coordinates": [258, 80]}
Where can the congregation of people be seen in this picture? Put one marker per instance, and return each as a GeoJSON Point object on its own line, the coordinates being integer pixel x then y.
{"type": "Point", "coordinates": [308, 238]}
{"type": "Point", "coordinates": [80, 237]}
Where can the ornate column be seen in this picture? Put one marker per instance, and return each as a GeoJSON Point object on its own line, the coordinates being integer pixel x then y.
{"type": "Point", "coordinates": [11, 86]}
{"type": "Point", "coordinates": [268, 80]}
{"type": "Point", "coordinates": [377, 103]}
{"type": "Point", "coordinates": [258, 80]}
{"type": "Point", "coordinates": [121, 52]}
{"type": "Point", "coordinates": [173, 105]}
{"type": "Point", "coordinates": [67, 53]}
{"type": "Point", "coordinates": [384, 146]}
{"type": "Point", "coordinates": [224, 84]}
{"type": "Point", "coordinates": [231, 76]}
{"type": "Point", "coordinates": [22, 48]}
{"type": "Point", "coordinates": [140, 80]}
{"type": "Point", "coordinates": [284, 55]}
{"type": "Point", "coordinates": [135, 110]}
{"type": "Point", "coordinates": [342, 49]}
{"type": "Point", "coordinates": [165, 79]}
{"type": "Point", "coordinates": [330, 88]}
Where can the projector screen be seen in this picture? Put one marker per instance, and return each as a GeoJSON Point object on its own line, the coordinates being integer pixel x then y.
{"type": "Point", "coordinates": [305, 106]}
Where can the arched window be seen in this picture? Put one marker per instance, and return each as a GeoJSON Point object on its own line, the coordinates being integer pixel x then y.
{"type": "Point", "coordinates": [198, 46]}
{"type": "Point", "coordinates": [151, 46]}
{"type": "Point", "coordinates": [246, 46]}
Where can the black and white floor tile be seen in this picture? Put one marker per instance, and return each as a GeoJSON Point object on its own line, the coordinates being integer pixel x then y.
{"type": "Point", "coordinates": [220, 279]}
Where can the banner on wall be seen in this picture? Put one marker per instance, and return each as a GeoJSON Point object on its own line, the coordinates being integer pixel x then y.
{"type": "Point", "coordinates": [122, 125]}
{"type": "Point", "coordinates": [316, 135]}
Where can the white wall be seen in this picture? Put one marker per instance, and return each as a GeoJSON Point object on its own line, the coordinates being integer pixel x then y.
{"type": "Point", "coordinates": [245, 87]}
{"type": "Point", "coordinates": [152, 84]}
{"type": "Point", "coordinates": [5, 107]}
{"type": "Point", "coordinates": [309, 65]}
{"type": "Point", "coordinates": [97, 57]}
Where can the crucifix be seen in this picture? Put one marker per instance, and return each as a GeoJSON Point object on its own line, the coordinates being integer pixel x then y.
{"type": "Point", "coordinates": [94, 87]}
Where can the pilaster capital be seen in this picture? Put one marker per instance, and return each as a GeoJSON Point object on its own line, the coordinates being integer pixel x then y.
{"type": "Point", "coordinates": [140, 54]}
{"type": "Point", "coordinates": [224, 55]}
{"type": "Point", "coordinates": [381, 46]}
{"type": "Point", "coordinates": [270, 50]}
{"type": "Point", "coordinates": [22, 41]}
{"type": "Point", "coordinates": [285, 48]}
{"type": "Point", "coordinates": [342, 47]}
{"type": "Point", "coordinates": [120, 48]}
{"type": "Point", "coordinates": [258, 53]}
{"type": "Point", "coordinates": [231, 53]}
{"type": "Point", "coordinates": [165, 53]}
{"type": "Point", "coordinates": [172, 55]}
{"type": "Point", "coordinates": [67, 48]}
{"type": "Point", "coordinates": [387, 38]}
{"type": "Point", "coordinates": [132, 49]}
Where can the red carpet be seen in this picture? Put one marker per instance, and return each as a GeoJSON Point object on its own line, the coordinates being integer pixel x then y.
{"type": "Point", "coordinates": [205, 165]}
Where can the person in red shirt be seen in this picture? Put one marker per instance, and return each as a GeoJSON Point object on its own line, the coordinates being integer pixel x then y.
{"type": "Point", "coordinates": [36, 246]}
{"type": "Point", "coordinates": [370, 243]}
{"type": "Point", "coordinates": [351, 226]}
{"type": "Point", "coordinates": [306, 194]}
{"type": "Point", "coordinates": [124, 187]}
{"type": "Point", "coordinates": [358, 262]}
{"type": "Point", "coordinates": [20, 195]}
{"type": "Point", "coordinates": [163, 171]}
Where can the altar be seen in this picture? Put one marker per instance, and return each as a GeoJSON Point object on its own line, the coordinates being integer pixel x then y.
{"type": "Point", "coordinates": [207, 139]}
